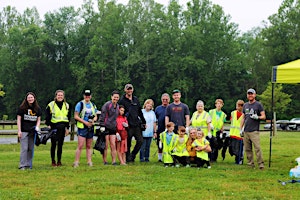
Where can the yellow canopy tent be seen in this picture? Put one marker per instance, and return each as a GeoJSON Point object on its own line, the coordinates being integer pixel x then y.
{"type": "Point", "coordinates": [285, 73]}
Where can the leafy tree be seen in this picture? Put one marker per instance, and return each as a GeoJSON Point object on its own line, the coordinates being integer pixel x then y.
{"type": "Point", "coordinates": [281, 100]}
{"type": "Point", "coordinates": [2, 93]}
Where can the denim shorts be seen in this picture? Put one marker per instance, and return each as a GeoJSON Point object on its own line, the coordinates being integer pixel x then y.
{"type": "Point", "coordinates": [86, 133]}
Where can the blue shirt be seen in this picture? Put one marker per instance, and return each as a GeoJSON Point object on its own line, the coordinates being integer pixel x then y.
{"type": "Point", "coordinates": [169, 137]}
{"type": "Point", "coordinates": [150, 120]}
{"type": "Point", "coordinates": [88, 110]}
{"type": "Point", "coordinates": [160, 112]}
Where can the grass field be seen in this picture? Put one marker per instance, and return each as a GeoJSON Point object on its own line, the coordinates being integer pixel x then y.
{"type": "Point", "coordinates": [224, 180]}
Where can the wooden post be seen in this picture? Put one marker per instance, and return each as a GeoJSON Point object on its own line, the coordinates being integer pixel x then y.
{"type": "Point", "coordinates": [72, 130]}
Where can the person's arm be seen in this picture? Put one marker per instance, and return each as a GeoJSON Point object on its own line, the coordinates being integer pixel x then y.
{"type": "Point", "coordinates": [95, 117]}
{"type": "Point", "coordinates": [38, 121]}
{"type": "Point", "coordinates": [102, 115]}
{"type": "Point", "coordinates": [242, 121]}
{"type": "Point", "coordinates": [224, 120]}
{"type": "Point", "coordinates": [187, 116]}
{"type": "Point", "coordinates": [19, 126]}
{"type": "Point", "coordinates": [187, 121]}
{"type": "Point", "coordinates": [141, 115]}
{"type": "Point", "coordinates": [262, 115]}
{"type": "Point", "coordinates": [48, 117]}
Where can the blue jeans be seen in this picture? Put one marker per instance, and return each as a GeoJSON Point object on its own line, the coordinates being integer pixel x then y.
{"type": "Point", "coordinates": [145, 149]}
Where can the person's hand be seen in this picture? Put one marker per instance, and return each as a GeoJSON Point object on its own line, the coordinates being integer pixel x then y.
{"type": "Point", "coordinates": [37, 129]}
{"type": "Point", "coordinates": [254, 116]}
{"type": "Point", "coordinates": [187, 129]}
{"type": "Point", "coordinates": [118, 137]}
{"type": "Point", "coordinates": [209, 135]}
{"type": "Point", "coordinates": [125, 124]}
{"type": "Point", "coordinates": [227, 134]}
{"type": "Point", "coordinates": [19, 134]}
{"type": "Point", "coordinates": [154, 135]}
{"type": "Point", "coordinates": [102, 129]}
{"type": "Point", "coordinates": [241, 133]}
{"type": "Point", "coordinates": [67, 132]}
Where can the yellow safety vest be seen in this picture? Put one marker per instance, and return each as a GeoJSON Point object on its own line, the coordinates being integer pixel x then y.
{"type": "Point", "coordinates": [235, 125]}
{"type": "Point", "coordinates": [200, 121]}
{"type": "Point", "coordinates": [82, 113]}
{"type": "Point", "coordinates": [59, 115]}
{"type": "Point", "coordinates": [167, 148]}
{"type": "Point", "coordinates": [181, 147]}
{"type": "Point", "coordinates": [201, 154]}
{"type": "Point", "coordinates": [216, 121]}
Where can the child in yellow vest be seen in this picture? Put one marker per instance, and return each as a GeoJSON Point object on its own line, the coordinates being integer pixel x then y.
{"type": "Point", "coordinates": [236, 144]}
{"type": "Point", "coordinates": [167, 142]}
{"type": "Point", "coordinates": [180, 154]}
{"type": "Point", "coordinates": [202, 147]}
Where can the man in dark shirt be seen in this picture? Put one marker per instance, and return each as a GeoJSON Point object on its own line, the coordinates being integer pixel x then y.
{"type": "Point", "coordinates": [253, 113]}
{"type": "Point", "coordinates": [160, 112]}
{"type": "Point", "coordinates": [178, 112]}
{"type": "Point", "coordinates": [135, 117]}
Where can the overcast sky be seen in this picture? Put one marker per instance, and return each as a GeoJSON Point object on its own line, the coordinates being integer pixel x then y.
{"type": "Point", "coordinates": [246, 13]}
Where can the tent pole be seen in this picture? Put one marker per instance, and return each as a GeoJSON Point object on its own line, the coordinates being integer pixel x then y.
{"type": "Point", "coordinates": [271, 127]}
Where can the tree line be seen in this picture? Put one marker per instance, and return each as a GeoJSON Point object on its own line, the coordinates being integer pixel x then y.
{"type": "Point", "coordinates": [157, 48]}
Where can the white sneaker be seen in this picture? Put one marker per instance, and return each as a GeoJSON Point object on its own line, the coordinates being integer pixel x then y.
{"type": "Point", "coordinates": [208, 167]}
{"type": "Point", "coordinates": [187, 166]}
{"type": "Point", "coordinates": [177, 165]}
{"type": "Point", "coordinates": [90, 164]}
{"type": "Point", "coordinates": [75, 164]}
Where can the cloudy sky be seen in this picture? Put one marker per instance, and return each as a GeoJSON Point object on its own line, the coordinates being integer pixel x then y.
{"type": "Point", "coordinates": [246, 13]}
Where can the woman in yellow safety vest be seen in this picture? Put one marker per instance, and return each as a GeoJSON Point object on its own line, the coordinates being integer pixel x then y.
{"type": "Point", "coordinates": [201, 119]}
{"type": "Point", "coordinates": [85, 115]}
{"type": "Point", "coordinates": [58, 117]}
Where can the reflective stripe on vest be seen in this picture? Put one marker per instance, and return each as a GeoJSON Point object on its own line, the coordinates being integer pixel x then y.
{"type": "Point", "coordinates": [57, 114]}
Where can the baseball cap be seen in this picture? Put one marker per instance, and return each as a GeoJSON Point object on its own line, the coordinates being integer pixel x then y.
{"type": "Point", "coordinates": [87, 92]}
{"type": "Point", "coordinates": [176, 91]}
{"type": "Point", "coordinates": [127, 86]}
{"type": "Point", "coordinates": [251, 91]}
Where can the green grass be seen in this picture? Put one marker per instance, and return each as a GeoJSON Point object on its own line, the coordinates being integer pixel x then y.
{"type": "Point", "coordinates": [149, 180]}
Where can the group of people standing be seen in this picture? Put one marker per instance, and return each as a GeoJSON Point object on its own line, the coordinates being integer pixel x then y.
{"type": "Point", "coordinates": [180, 139]}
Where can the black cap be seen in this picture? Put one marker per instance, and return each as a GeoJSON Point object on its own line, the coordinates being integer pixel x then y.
{"type": "Point", "coordinates": [87, 92]}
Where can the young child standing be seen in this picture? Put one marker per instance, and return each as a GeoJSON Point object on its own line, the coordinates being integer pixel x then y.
{"type": "Point", "coordinates": [218, 117]}
{"type": "Point", "coordinates": [202, 147]}
{"type": "Point", "coordinates": [180, 154]}
{"type": "Point", "coordinates": [167, 141]}
{"type": "Point", "coordinates": [121, 134]}
{"type": "Point", "coordinates": [236, 145]}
